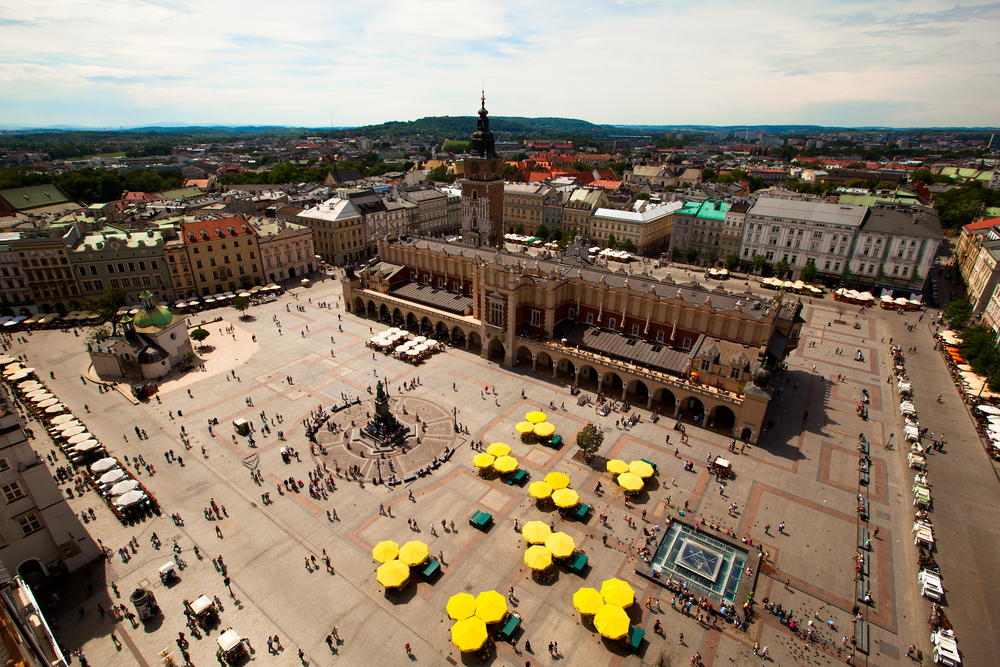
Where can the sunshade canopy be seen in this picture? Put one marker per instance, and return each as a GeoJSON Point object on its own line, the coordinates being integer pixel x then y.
{"type": "Point", "coordinates": [560, 544]}
{"type": "Point", "coordinates": [539, 490]}
{"type": "Point", "coordinates": [611, 621]}
{"type": "Point", "coordinates": [414, 552]}
{"type": "Point", "coordinates": [104, 465]}
{"type": "Point", "coordinates": [535, 532]}
{"type": "Point", "coordinates": [641, 469]}
{"type": "Point", "coordinates": [86, 446]}
{"type": "Point", "coordinates": [544, 430]}
{"type": "Point", "coordinates": [112, 477]}
{"type": "Point", "coordinates": [565, 498]}
{"type": "Point", "coordinates": [461, 606]}
{"type": "Point", "coordinates": [130, 498]}
{"type": "Point", "coordinates": [505, 464]}
{"type": "Point", "coordinates": [483, 460]}
{"type": "Point", "coordinates": [587, 601]}
{"type": "Point", "coordinates": [630, 481]}
{"type": "Point", "coordinates": [498, 449]}
{"type": "Point", "coordinates": [524, 427]}
{"type": "Point", "coordinates": [557, 480]}
{"type": "Point", "coordinates": [535, 417]}
{"type": "Point", "coordinates": [385, 551]}
{"type": "Point", "coordinates": [229, 640]}
{"type": "Point", "coordinates": [393, 574]}
{"type": "Point", "coordinates": [62, 418]}
{"type": "Point", "coordinates": [617, 592]}
{"type": "Point", "coordinates": [538, 557]}
{"type": "Point", "coordinates": [491, 607]}
{"type": "Point", "coordinates": [124, 487]}
{"type": "Point", "coordinates": [469, 634]}
{"type": "Point", "coordinates": [617, 467]}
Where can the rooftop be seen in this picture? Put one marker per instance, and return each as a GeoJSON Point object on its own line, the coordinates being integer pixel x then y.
{"type": "Point", "coordinates": [650, 214]}
{"type": "Point", "coordinates": [843, 215]}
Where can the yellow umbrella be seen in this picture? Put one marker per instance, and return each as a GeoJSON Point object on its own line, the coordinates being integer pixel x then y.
{"type": "Point", "coordinates": [557, 480]}
{"type": "Point", "coordinates": [483, 460]}
{"type": "Point", "coordinates": [617, 467]}
{"type": "Point", "coordinates": [414, 553]}
{"type": "Point", "coordinates": [491, 607]}
{"type": "Point", "coordinates": [498, 449]}
{"type": "Point", "coordinates": [560, 544]}
{"type": "Point", "coordinates": [640, 468]}
{"type": "Point", "coordinates": [540, 490]}
{"type": "Point", "coordinates": [385, 551]}
{"type": "Point", "coordinates": [524, 427]}
{"type": "Point", "coordinates": [565, 498]}
{"type": "Point", "coordinates": [461, 606]}
{"type": "Point", "coordinates": [535, 417]}
{"type": "Point", "coordinates": [630, 482]}
{"type": "Point", "coordinates": [505, 464]}
{"type": "Point", "coordinates": [587, 601]}
{"type": "Point", "coordinates": [544, 430]}
{"type": "Point", "coordinates": [535, 532]}
{"type": "Point", "coordinates": [617, 592]}
{"type": "Point", "coordinates": [393, 574]}
{"type": "Point", "coordinates": [611, 621]}
{"type": "Point", "coordinates": [469, 634]}
{"type": "Point", "coordinates": [538, 557]}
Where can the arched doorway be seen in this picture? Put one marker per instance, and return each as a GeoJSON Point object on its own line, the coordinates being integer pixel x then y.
{"type": "Point", "coordinates": [641, 392]}
{"type": "Point", "coordinates": [45, 308]}
{"type": "Point", "coordinates": [25, 312]}
{"type": "Point", "coordinates": [397, 317]}
{"type": "Point", "coordinates": [411, 321]}
{"type": "Point", "coordinates": [457, 336]}
{"type": "Point", "coordinates": [61, 308]}
{"type": "Point", "coordinates": [722, 420]}
{"type": "Point", "coordinates": [426, 326]}
{"type": "Point", "coordinates": [496, 351]}
{"type": "Point", "coordinates": [441, 330]}
{"type": "Point", "coordinates": [291, 272]}
{"type": "Point", "coordinates": [475, 342]}
{"type": "Point", "coordinates": [666, 399]}
{"type": "Point", "coordinates": [544, 363]}
{"type": "Point", "coordinates": [31, 571]}
{"type": "Point", "coordinates": [567, 371]}
{"type": "Point", "coordinates": [694, 408]}
{"type": "Point", "coordinates": [383, 313]}
{"type": "Point", "coordinates": [522, 357]}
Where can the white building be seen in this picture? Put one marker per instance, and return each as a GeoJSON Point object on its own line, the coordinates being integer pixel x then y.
{"type": "Point", "coordinates": [649, 229]}
{"type": "Point", "coordinates": [896, 249]}
{"type": "Point", "coordinates": [286, 250]}
{"type": "Point", "coordinates": [800, 232]}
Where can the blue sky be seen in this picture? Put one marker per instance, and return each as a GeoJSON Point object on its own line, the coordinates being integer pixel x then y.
{"type": "Point", "coordinates": [135, 62]}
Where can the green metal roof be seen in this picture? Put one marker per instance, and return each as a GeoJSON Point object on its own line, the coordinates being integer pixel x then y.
{"type": "Point", "coordinates": [710, 209]}
{"type": "Point", "coordinates": [34, 196]}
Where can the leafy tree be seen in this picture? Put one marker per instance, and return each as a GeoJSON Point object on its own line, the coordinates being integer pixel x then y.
{"type": "Point", "coordinates": [440, 174]}
{"type": "Point", "coordinates": [198, 335]}
{"type": "Point", "coordinates": [732, 261]}
{"type": "Point", "coordinates": [519, 229]}
{"type": "Point", "coordinates": [713, 257]}
{"type": "Point", "coordinates": [509, 170]}
{"type": "Point", "coordinates": [809, 272]}
{"type": "Point", "coordinates": [107, 306]}
{"type": "Point", "coordinates": [557, 234]}
{"type": "Point", "coordinates": [958, 313]}
{"type": "Point", "coordinates": [980, 350]}
{"type": "Point", "coordinates": [97, 334]}
{"type": "Point", "coordinates": [589, 440]}
{"type": "Point", "coordinates": [542, 231]}
{"type": "Point", "coordinates": [580, 165]}
{"type": "Point", "coordinates": [643, 195]}
{"type": "Point", "coordinates": [759, 262]}
{"type": "Point", "coordinates": [676, 254]}
{"type": "Point", "coordinates": [781, 268]}
{"type": "Point", "coordinates": [691, 254]}
{"type": "Point", "coordinates": [612, 243]}
{"type": "Point", "coordinates": [628, 246]}
{"type": "Point", "coordinates": [241, 303]}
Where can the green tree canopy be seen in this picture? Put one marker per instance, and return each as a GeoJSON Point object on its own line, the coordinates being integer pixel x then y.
{"type": "Point", "coordinates": [107, 306]}
{"type": "Point", "coordinates": [628, 246]}
{"type": "Point", "coordinates": [542, 231]}
{"type": "Point", "coordinates": [958, 313]}
{"type": "Point", "coordinates": [612, 243]}
{"type": "Point", "coordinates": [589, 440]}
{"type": "Point", "coordinates": [241, 304]}
{"type": "Point", "coordinates": [691, 254]}
{"type": "Point", "coordinates": [809, 272]}
{"type": "Point", "coordinates": [759, 262]}
{"type": "Point", "coordinates": [781, 268]}
{"type": "Point", "coordinates": [519, 229]}
{"type": "Point", "coordinates": [676, 254]}
{"type": "Point", "coordinates": [713, 257]}
{"type": "Point", "coordinates": [732, 261]}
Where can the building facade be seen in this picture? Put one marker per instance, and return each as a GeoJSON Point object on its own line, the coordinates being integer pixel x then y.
{"type": "Point", "coordinates": [701, 225]}
{"type": "Point", "coordinates": [482, 188]}
{"type": "Point", "coordinates": [643, 231]}
{"type": "Point", "coordinates": [643, 340]}
{"type": "Point", "coordinates": [128, 262]}
{"type": "Point", "coordinates": [338, 230]}
{"type": "Point", "coordinates": [579, 209]}
{"type": "Point", "coordinates": [431, 217]}
{"type": "Point", "coordinates": [531, 205]}
{"type": "Point", "coordinates": [895, 249]}
{"type": "Point", "coordinates": [286, 250]}
{"type": "Point", "coordinates": [223, 254]}
{"type": "Point", "coordinates": [45, 264]}
{"type": "Point", "coordinates": [732, 230]}
{"type": "Point", "coordinates": [15, 295]}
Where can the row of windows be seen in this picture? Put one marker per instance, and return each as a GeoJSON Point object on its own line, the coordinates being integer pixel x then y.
{"type": "Point", "coordinates": [120, 267]}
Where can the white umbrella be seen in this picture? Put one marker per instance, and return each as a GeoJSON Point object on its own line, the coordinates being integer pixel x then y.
{"type": "Point", "coordinates": [62, 418]}
{"type": "Point", "coordinates": [420, 348]}
{"type": "Point", "coordinates": [412, 353]}
{"type": "Point", "coordinates": [41, 398]}
{"type": "Point", "coordinates": [988, 409]}
{"type": "Point", "coordinates": [376, 339]}
{"type": "Point", "coordinates": [79, 437]}
{"type": "Point", "coordinates": [112, 477]}
{"type": "Point", "coordinates": [104, 465]}
{"type": "Point", "coordinates": [393, 330]}
{"type": "Point", "coordinates": [420, 339]}
{"type": "Point", "coordinates": [4, 360]}
{"type": "Point", "coordinates": [11, 369]}
{"type": "Point", "coordinates": [402, 348]}
{"type": "Point", "coordinates": [993, 419]}
{"type": "Point", "coordinates": [86, 446]}
{"type": "Point", "coordinates": [55, 409]}
{"type": "Point", "coordinates": [67, 425]}
{"type": "Point", "coordinates": [20, 375]}
{"type": "Point", "coordinates": [73, 430]}
{"type": "Point", "coordinates": [130, 498]}
{"type": "Point", "coordinates": [28, 384]}
{"type": "Point", "coordinates": [124, 487]}
{"type": "Point", "coordinates": [48, 402]}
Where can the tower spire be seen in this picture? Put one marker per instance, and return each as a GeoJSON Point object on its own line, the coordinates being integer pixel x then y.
{"type": "Point", "coordinates": [483, 98]}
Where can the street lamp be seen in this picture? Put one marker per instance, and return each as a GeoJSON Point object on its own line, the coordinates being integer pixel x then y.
{"type": "Point", "coordinates": [454, 416]}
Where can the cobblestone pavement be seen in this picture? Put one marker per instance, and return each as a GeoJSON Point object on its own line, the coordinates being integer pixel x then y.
{"type": "Point", "coordinates": [803, 473]}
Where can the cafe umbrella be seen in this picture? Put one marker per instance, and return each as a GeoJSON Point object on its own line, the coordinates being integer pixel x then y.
{"type": "Point", "coordinates": [461, 606]}
{"type": "Point", "coordinates": [535, 532]}
{"type": "Point", "coordinates": [385, 551]}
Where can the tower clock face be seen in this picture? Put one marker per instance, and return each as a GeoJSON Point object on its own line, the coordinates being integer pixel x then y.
{"type": "Point", "coordinates": [493, 165]}
{"type": "Point", "coordinates": [475, 167]}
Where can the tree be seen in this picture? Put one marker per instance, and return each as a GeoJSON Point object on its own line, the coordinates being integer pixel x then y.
{"type": "Point", "coordinates": [542, 231]}
{"type": "Point", "coordinates": [628, 246]}
{"type": "Point", "coordinates": [509, 170]}
{"type": "Point", "coordinates": [97, 334]}
{"type": "Point", "coordinates": [958, 313]}
{"type": "Point", "coordinates": [198, 335]}
{"type": "Point", "coordinates": [732, 261]}
{"type": "Point", "coordinates": [241, 303]}
{"type": "Point", "coordinates": [759, 262]}
{"type": "Point", "coordinates": [107, 306]}
{"type": "Point", "coordinates": [809, 272]}
{"type": "Point", "coordinates": [676, 254]}
{"type": "Point", "coordinates": [691, 254]}
{"type": "Point", "coordinates": [781, 268]}
{"type": "Point", "coordinates": [643, 195]}
{"type": "Point", "coordinates": [589, 440]}
{"type": "Point", "coordinates": [557, 234]}
{"type": "Point", "coordinates": [611, 241]}
{"type": "Point", "coordinates": [519, 229]}
{"type": "Point", "coordinates": [713, 257]}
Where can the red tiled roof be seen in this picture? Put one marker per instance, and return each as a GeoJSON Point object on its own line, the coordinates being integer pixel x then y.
{"type": "Point", "coordinates": [221, 228]}
{"type": "Point", "coordinates": [982, 224]}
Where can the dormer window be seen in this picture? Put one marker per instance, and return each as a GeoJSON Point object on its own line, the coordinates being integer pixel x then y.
{"type": "Point", "coordinates": [204, 235]}
{"type": "Point", "coordinates": [232, 232]}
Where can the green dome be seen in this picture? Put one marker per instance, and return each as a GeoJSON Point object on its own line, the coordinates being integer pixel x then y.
{"type": "Point", "coordinates": [153, 316]}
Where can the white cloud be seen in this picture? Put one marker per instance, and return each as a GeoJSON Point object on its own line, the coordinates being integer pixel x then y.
{"type": "Point", "coordinates": [851, 62]}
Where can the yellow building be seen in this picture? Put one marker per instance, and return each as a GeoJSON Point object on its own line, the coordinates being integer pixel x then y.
{"type": "Point", "coordinates": [223, 254]}
{"type": "Point", "coordinates": [338, 230]}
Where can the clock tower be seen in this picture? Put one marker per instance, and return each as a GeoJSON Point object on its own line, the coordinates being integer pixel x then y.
{"type": "Point", "coordinates": [482, 188]}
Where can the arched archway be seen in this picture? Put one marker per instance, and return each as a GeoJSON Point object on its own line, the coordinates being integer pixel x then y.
{"type": "Point", "coordinates": [45, 308]}
{"type": "Point", "coordinates": [31, 571]}
{"type": "Point", "coordinates": [25, 312]}
{"type": "Point", "coordinates": [441, 331]}
{"type": "Point", "coordinates": [6, 312]}
{"type": "Point", "coordinates": [359, 306]}
{"type": "Point", "coordinates": [426, 326]}
{"type": "Point", "coordinates": [291, 272]}
{"type": "Point", "coordinates": [667, 400]}
{"type": "Point", "coordinates": [496, 350]}
{"type": "Point", "coordinates": [383, 313]}
{"type": "Point", "coordinates": [693, 407]}
{"type": "Point", "coordinates": [411, 321]}
{"type": "Point", "coordinates": [522, 357]}
{"type": "Point", "coordinates": [722, 419]}
{"type": "Point", "coordinates": [566, 370]}
{"type": "Point", "coordinates": [457, 336]}
{"type": "Point", "coordinates": [475, 342]}
{"type": "Point", "coordinates": [61, 308]}
{"type": "Point", "coordinates": [397, 317]}
{"type": "Point", "coordinates": [544, 363]}
{"type": "Point", "coordinates": [589, 377]}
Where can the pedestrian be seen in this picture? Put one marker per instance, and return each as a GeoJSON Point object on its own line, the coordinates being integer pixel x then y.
{"type": "Point", "coordinates": [680, 639]}
{"type": "Point", "coordinates": [218, 532]}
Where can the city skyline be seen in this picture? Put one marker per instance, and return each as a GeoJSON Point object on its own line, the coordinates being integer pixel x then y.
{"type": "Point", "coordinates": [106, 63]}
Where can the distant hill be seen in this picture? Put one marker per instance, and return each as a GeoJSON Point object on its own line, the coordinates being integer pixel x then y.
{"type": "Point", "coordinates": [461, 126]}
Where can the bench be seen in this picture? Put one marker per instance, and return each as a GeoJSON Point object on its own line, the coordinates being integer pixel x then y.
{"type": "Point", "coordinates": [582, 511]}
{"type": "Point", "coordinates": [447, 453]}
{"type": "Point", "coordinates": [409, 478]}
{"type": "Point", "coordinates": [576, 563]}
{"type": "Point", "coordinates": [635, 635]}
{"type": "Point", "coordinates": [651, 465]}
{"type": "Point", "coordinates": [480, 519]}
{"type": "Point", "coordinates": [861, 636]}
{"type": "Point", "coordinates": [862, 536]}
{"type": "Point", "coordinates": [864, 478]}
{"type": "Point", "coordinates": [519, 477]}
{"type": "Point", "coordinates": [510, 627]}
{"type": "Point", "coordinates": [428, 572]}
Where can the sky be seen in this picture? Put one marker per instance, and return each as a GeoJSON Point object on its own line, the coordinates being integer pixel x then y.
{"type": "Point", "coordinates": [112, 63]}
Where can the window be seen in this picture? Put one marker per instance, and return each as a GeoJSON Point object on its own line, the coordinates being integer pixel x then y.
{"type": "Point", "coordinates": [827, 265]}
{"type": "Point", "coordinates": [110, 268]}
{"type": "Point", "coordinates": [225, 258]}
{"type": "Point", "coordinates": [496, 313]}
{"type": "Point", "coordinates": [131, 266]}
{"type": "Point", "coordinates": [197, 263]}
{"type": "Point", "coordinates": [687, 344]}
{"type": "Point", "coordinates": [590, 318]}
{"type": "Point", "coordinates": [239, 257]}
{"type": "Point", "coordinates": [706, 364]}
{"type": "Point", "coordinates": [734, 373]}
{"type": "Point", "coordinates": [572, 313]}
{"type": "Point", "coordinates": [4, 465]}
{"type": "Point", "coordinates": [895, 269]}
{"type": "Point", "coordinates": [536, 318]}
{"type": "Point", "coordinates": [659, 336]}
{"type": "Point", "coordinates": [29, 523]}
{"type": "Point", "coordinates": [12, 492]}
{"type": "Point", "coordinates": [611, 323]}
{"type": "Point", "coordinates": [211, 261]}
{"type": "Point", "coordinates": [635, 329]}
{"type": "Point", "coordinates": [121, 267]}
